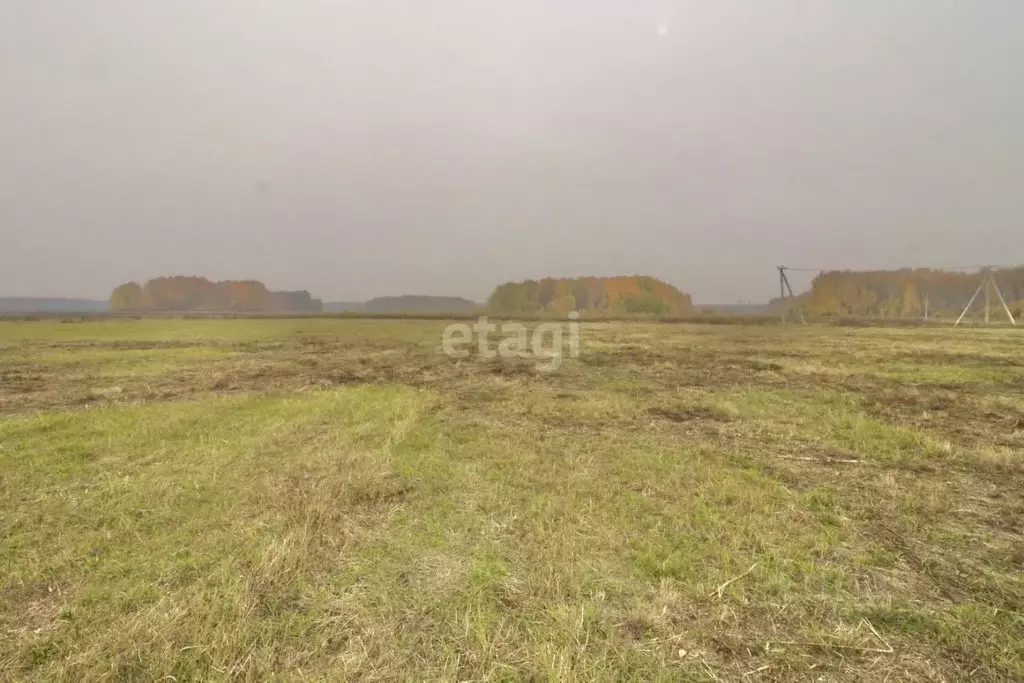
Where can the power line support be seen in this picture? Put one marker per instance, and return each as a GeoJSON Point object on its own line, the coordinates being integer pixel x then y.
{"type": "Point", "coordinates": [988, 283]}
{"type": "Point", "coordinates": [1002, 300]}
{"type": "Point", "coordinates": [783, 287]}
{"type": "Point", "coordinates": [782, 292]}
{"type": "Point", "coordinates": [988, 299]}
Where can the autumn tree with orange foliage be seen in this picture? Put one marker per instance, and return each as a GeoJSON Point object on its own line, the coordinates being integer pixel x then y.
{"type": "Point", "coordinates": [191, 293]}
{"type": "Point", "coordinates": [627, 295]}
{"type": "Point", "coordinates": [128, 297]}
{"type": "Point", "coordinates": [903, 293]}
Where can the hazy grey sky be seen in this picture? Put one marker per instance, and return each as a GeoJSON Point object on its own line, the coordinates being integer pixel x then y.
{"type": "Point", "coordinates": [378, 147]}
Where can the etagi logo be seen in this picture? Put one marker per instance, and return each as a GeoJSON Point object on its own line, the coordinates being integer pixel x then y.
{"type": "Point", "coordinates": [517, 341]}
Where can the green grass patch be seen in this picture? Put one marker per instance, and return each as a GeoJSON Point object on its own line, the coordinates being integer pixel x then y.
{"type": "Point", "coordinates": [335, 499]}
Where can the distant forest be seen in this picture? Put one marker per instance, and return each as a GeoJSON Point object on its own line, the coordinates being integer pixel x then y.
{"type": "Point", "coordinates": [906, 293]}
{"type": "Point", "coordinates": [30, 304]}
{"type": "Point", "coordinates": [600, 295]}
{"type": "Point", "coordinates": [189, 293]}
{"type": "Point", "coordinates": [407, 303]}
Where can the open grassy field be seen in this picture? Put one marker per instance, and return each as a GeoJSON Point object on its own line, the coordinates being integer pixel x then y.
{"type": "Point", "coordinates": [336, 499]}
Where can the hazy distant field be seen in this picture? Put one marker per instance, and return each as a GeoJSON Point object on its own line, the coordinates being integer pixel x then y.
{"type": "Point", "coordinates": [332, 499]}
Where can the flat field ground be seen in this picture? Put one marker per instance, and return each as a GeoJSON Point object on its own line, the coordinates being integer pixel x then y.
{"type": "Point", "coordinates": [336, 499]}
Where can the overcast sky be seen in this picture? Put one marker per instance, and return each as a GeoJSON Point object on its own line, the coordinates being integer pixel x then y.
{"type": "Point", "coordinates": [377, 147]}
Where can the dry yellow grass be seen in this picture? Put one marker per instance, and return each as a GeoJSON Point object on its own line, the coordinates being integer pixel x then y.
{"type": "Point", "coordinates": [332, 499]}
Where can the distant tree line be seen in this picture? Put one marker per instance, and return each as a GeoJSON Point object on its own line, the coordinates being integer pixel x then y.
{"type": "Point", "coordinates": [905, 293]}
{"type": "Point", "coordinates": [415, 303]}
{"type": "Point", "coordinates": [601, 295]}
{"type": "Point", "coordinates": [29, 304]}
{"type": "Point", "coordinates": [190, 293]}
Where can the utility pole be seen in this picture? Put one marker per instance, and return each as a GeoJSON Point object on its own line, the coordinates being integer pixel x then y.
{"type": "Point", "coordinates": [783, 286]}
{"type": "Point", "coordinates": [1002, 300]}
{"type": "Point", "coordinates": [988, 297]}
{"type": "Point", "coordinates": [988, 283]}
{"type": "Point", "coordinates": [782, 291]}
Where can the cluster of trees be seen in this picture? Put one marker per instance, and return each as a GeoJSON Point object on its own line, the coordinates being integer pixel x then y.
{"type": "Point", "coordinates": [190, 293]}
{"type": "Point", "coordinates": [599, 295]}
{"type": "Point", "coordinates": [406, 303]}
{"type": "Point", "coordinates": [414, 303]}
{"type": "Point", "coordinates": [906, 293]}
{"type": "Point", "coordinates": [297, 300]}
